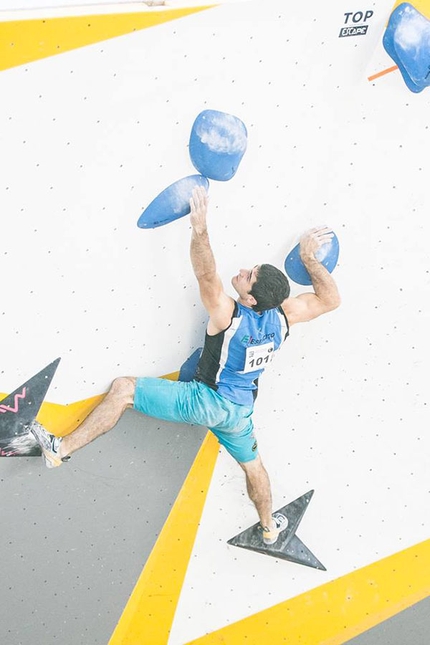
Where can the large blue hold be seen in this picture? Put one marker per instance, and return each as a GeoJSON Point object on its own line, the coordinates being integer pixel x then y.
{"type": "Point", "coordinates": [217, 144]}
{"type": "Point", "coordinates": [172, 203]}
{"type": "Point", "coordinates": [188, 369]}
{"type": "Point", "coordinates": [327, 254]}
{"type": "Point", "coordinates": [407, 41]}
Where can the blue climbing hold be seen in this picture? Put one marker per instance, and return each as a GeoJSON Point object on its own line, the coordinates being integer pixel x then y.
{"type": "Point", "coordinates": [188, 369]}
{"type": "Point", "coordinates": [407, 41]}
{"type": "Point", "coordinates": [172, 203]}
{"type": "Point", "coordinates": [217, 144]}
{"type": "Point", "coordinates": [327, 254]}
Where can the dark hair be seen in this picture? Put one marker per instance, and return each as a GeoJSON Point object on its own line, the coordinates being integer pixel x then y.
{"type": "Point", "coordinates": [270, 289]}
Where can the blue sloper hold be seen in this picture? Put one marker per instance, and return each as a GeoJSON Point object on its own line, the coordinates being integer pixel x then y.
{"type": "Point", "coordinates": [217, 144]}
{"type": "Point", "coordinates": [328, 255]}
{"type": "Point", "coordinates": [407, 41]}
{"type": "Point", "coordinates": [188, 369]}
{"type": "Point", "coordinates": [172, 203]}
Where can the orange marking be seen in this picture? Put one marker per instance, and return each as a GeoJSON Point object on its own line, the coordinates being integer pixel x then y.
{"type": "Point", "coordinates": [384, 71]}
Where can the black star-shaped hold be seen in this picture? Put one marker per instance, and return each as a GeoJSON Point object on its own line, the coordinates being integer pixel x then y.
{"type": "Point", "coordinates": [288, 546]}
{"type": "Point", "coordinates": [19, 409]}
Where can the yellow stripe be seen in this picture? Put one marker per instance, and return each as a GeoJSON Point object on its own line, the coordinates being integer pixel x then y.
{"type": "Point", "coordinates": [24, 41]}
{"type": "Point", "coordinates": [173, 376]}
{"type": "Point", "coordinates": [339, 610]}
{"type": "Point", "coordinates": [63, 419]}
{"type": "Point", "coordinates": [149, 613]}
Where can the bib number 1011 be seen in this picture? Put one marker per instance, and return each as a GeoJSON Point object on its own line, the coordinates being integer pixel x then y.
{"type": "Point", "coordinates": [259, 357]}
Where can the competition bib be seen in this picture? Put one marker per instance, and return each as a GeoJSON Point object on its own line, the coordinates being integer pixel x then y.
{"type": "Point", "coordinates": [257, 358]}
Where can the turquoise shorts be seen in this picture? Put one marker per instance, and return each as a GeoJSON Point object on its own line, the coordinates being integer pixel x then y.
{"type": "Point", "coordinates": [197, 404]}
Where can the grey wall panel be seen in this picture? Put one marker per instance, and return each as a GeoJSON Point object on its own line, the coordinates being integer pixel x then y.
{"type": "Point", "coordinates": [74, 540]}
{"type": "Point", "coordinates": [410, 626]}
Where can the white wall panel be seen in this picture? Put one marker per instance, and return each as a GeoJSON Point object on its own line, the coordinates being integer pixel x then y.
{"type": "Point", "coordinates": [91, 136]}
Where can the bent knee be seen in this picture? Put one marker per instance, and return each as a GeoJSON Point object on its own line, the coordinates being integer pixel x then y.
{"type": "Point", "coordinates": [252, 466]}
{"type": "Point", "coordinates": [124, 387]}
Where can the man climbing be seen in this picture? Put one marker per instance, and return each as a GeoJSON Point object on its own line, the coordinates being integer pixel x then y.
{"type": "Point", "coordinates": [241, 338]}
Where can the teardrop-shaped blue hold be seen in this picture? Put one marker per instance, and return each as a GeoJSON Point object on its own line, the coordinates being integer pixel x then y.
{"type": "Point", "coordinates": [172, 203]}
{"type": "Point", "coordinates": [327, 254]}
{"type": "Point", "coordinates": [217, 144]}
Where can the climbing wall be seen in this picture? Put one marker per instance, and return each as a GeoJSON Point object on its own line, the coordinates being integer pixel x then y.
{"type": "Point", "coordinates": [95, 121]}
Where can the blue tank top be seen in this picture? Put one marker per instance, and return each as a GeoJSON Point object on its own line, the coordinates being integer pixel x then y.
{"type": "Point", "coordinates": [232, 361]}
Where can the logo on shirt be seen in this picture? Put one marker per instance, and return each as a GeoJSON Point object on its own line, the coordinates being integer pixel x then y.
{"type": "Point", "coordinates": [249, 340]}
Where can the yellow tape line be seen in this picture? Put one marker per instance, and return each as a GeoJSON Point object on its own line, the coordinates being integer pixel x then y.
{"type": "Point", "coordinates": [25, 41]}
{"type": "Point", "coordinates": [149, 613]}
{"type": "Point", "coordinates": [339, 610]}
